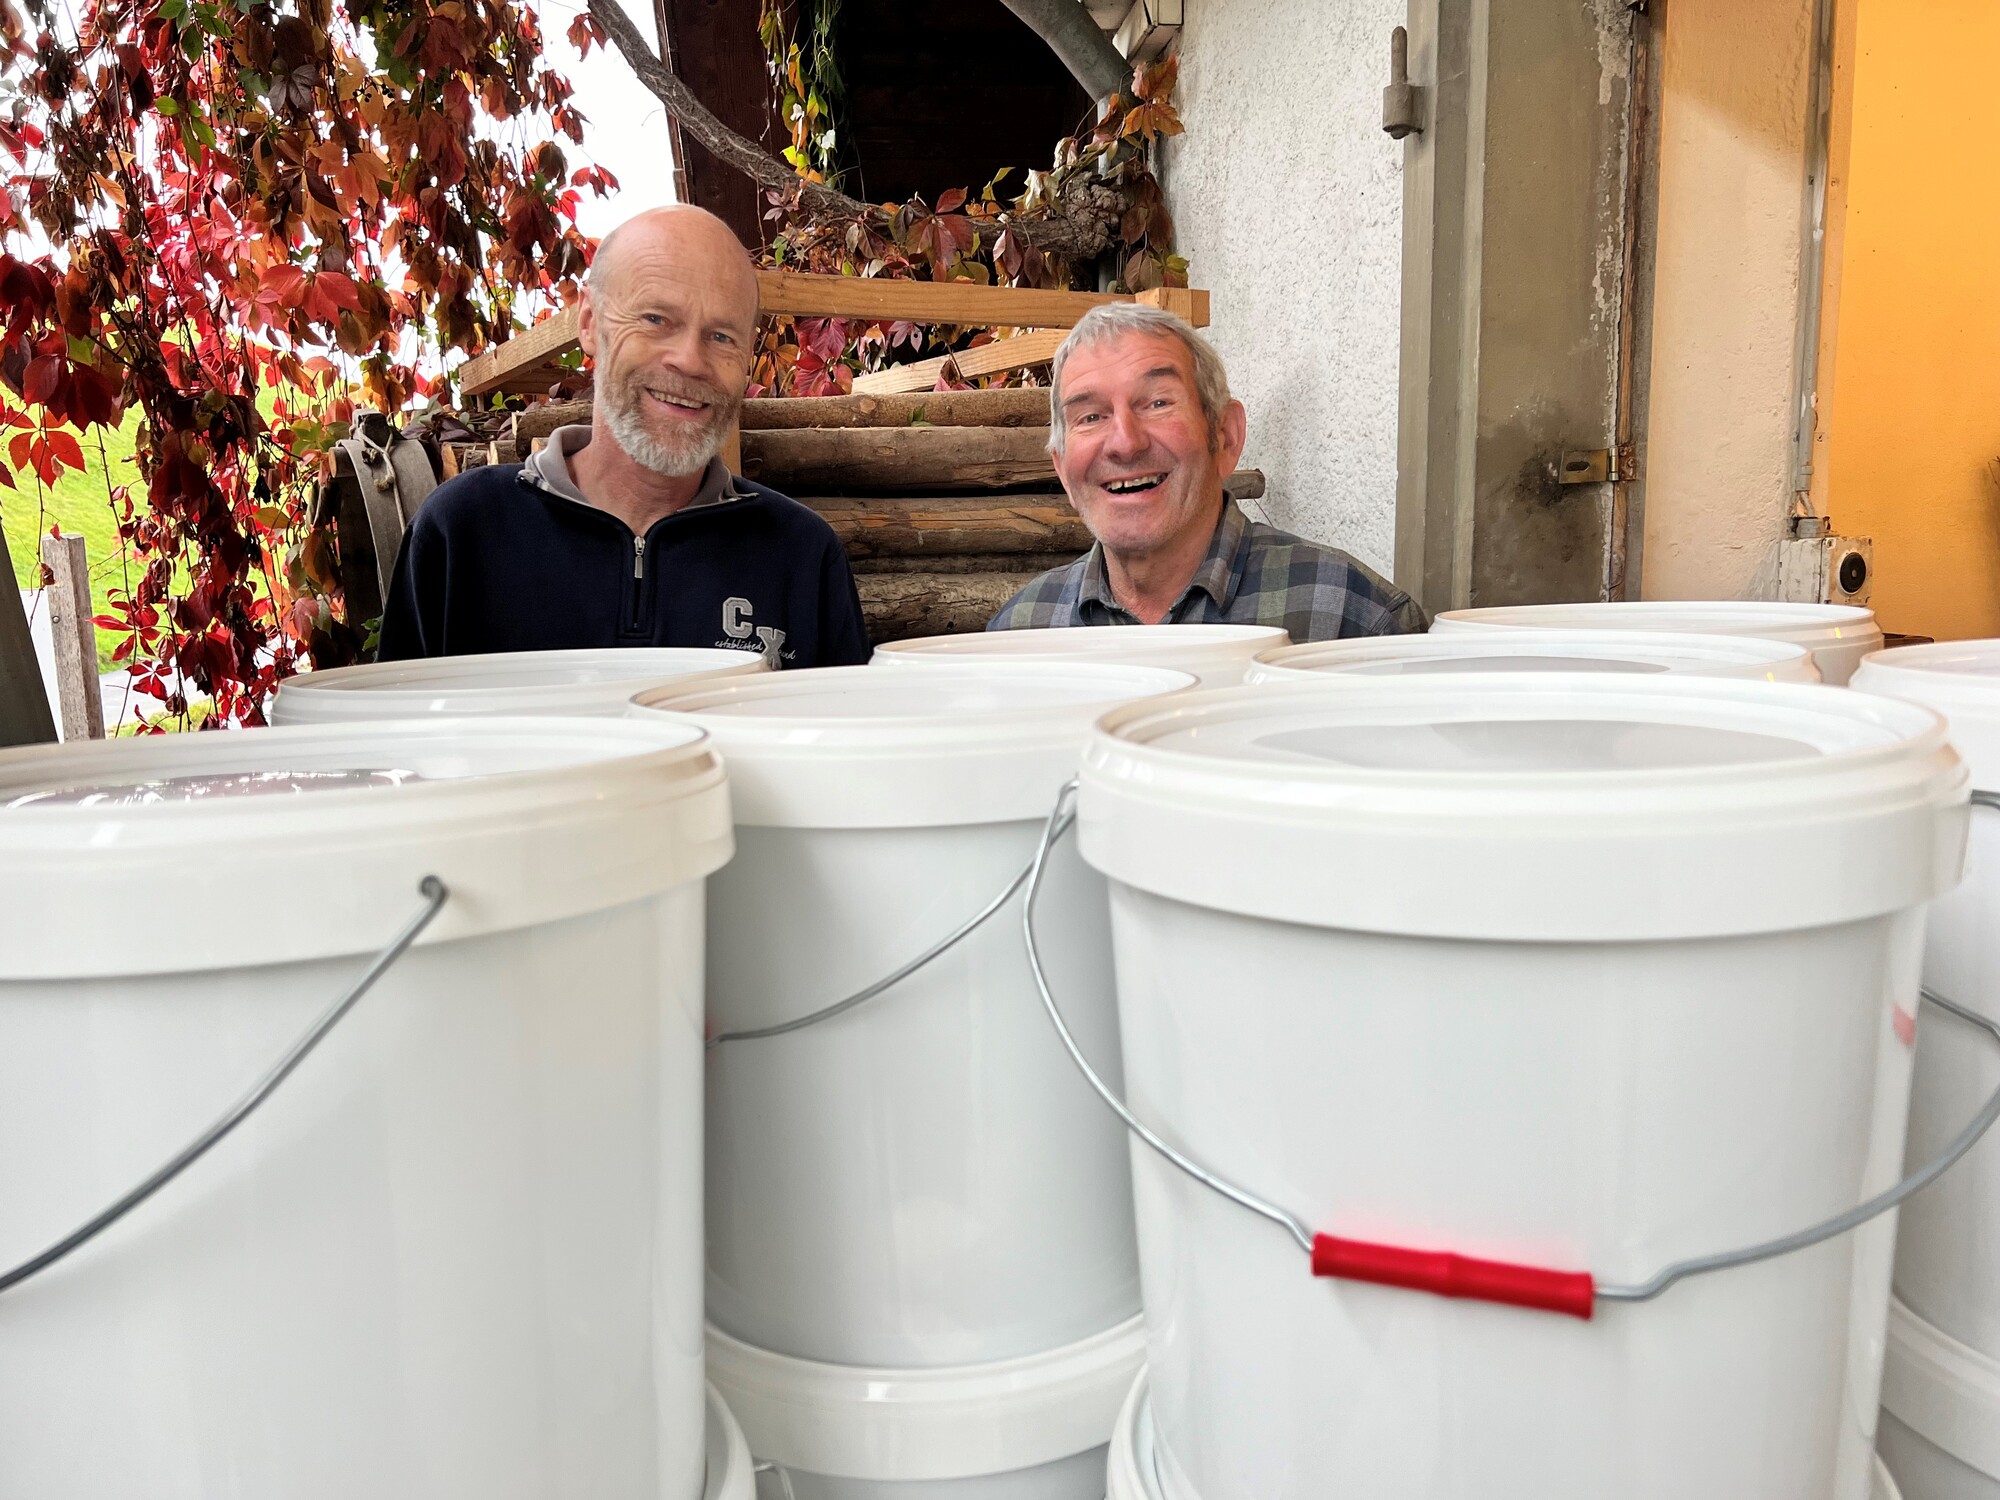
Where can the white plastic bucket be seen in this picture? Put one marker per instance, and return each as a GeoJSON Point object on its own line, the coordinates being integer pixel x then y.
{"type": "Point", "coordinates": [1627, 653]}
{"type": "Point", "coordinates": [1592, 980]}
{"type": "Point", "coordinates": [846, 1431]}
{"type": "Point", "coordinates": [1838, 635]}
{"type": "Point", "coordinates": [730, 1472]}
{"type": "Point", "coordinates": [457, 1253]}
{"type": "Point", "coordinates": [1940, 1429]}
{"type": "Point", "coordinates": [1948, 1245]}
{"type": "Point", "coordinates": [1217, 654]}
{"type": "Point", "coordinates": [1131, 1475]}
{"type": "Point", "coordinates": [567, 683]}
{"type": "Point", "coordinates": [920, 1183]}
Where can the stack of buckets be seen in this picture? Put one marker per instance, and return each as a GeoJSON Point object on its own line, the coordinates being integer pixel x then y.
{"type": "Point", "coordinates": [1455, 989]}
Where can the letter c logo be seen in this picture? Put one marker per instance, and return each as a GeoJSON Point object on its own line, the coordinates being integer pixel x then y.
{"type": "Point", "coordinates": [736, 619]}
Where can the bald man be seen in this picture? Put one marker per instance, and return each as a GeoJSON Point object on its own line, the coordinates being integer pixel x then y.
{"type": "Point", "coordinates": [630, 531]}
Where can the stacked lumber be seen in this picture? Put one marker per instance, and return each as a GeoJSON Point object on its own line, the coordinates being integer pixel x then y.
{"type": "Point", "coordinates": [946, 502]}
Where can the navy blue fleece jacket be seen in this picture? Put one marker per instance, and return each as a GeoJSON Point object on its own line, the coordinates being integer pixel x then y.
{"type": "Point", "coordinates": [496, 561]}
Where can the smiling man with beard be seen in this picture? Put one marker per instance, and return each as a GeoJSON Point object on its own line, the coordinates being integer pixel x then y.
{"type": "Point", "coordinates": [631, 531]}
{"type": "Point", "coordinates": [1144, 433]}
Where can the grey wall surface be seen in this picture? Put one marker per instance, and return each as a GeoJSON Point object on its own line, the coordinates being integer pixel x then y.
{"type": "Point", "coordinates": [1287, 201]}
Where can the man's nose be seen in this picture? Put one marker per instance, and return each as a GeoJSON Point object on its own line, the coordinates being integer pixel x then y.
{"type": "Point", "coordinates": [686, 352]}
{"type": "Point", "coordinates": [1126, 436]}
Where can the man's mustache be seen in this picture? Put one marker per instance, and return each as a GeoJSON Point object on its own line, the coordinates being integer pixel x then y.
{"type": "Point", "coordinates": [676, 385]}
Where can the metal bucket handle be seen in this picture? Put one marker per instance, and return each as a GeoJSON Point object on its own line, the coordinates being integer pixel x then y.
{"type": "Point", "coordinates": [435, 895]}
{"type": "Point", "coordinates": [1444, 1272]}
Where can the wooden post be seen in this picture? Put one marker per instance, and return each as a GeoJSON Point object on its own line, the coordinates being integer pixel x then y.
{"type": "Point", "coordinates": [75, 638]}
{"type": "Point", "coordinates": [24, 700]}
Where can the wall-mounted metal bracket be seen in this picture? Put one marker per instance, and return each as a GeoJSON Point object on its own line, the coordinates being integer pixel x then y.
{"type": "Point", "coordinates": [1401, 100]}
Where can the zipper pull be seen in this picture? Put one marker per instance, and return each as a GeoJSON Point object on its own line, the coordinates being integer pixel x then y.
{"type": "Point", "coordinates": [638, 557]}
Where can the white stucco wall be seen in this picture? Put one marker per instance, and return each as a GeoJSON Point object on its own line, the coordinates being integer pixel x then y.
{"type": "Point", "coordinates": [1287, 201]}
{"type": "Point", "coordinates": [1734, 100]}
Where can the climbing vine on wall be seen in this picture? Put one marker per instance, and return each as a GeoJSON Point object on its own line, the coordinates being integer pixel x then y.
{"type": "Point", "coordinates": [238, 218]}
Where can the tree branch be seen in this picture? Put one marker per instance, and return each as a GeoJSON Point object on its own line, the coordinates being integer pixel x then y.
{"type": "Point", "coordinates": [745, 155]}
{"type": "Point", "coordinates": [1079, 238]}
{"type": "Point", "coordinates": [1073, 36]}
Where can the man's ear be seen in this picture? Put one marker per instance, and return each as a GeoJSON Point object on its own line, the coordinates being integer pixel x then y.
{"type": "Point", "coordinates": [1230, 435]}
{"type": "Point", "coordinates": [586, 324]}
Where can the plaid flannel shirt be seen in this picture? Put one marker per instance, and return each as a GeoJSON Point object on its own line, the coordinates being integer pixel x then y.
{"type": "Point", "coordinates": [1253, 574]}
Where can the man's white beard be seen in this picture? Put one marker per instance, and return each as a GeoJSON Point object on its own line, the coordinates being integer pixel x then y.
{"type": "Point", "coordinates": [624, 414]}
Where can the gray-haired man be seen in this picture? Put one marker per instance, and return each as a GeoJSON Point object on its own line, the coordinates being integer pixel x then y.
{"type": "Point", "coordinates": [1144, 432]}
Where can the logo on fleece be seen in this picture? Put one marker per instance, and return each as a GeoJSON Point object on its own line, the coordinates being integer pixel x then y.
{"type": "Point", "coordinates": [737, 626]}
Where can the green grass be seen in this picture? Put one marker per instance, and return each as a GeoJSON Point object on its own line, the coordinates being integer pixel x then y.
{"type": "Point", "coordinates": [78, 503]}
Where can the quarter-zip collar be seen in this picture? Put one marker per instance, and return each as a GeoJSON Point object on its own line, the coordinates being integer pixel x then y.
{"type": "Point", "coordinates": [549, 470]}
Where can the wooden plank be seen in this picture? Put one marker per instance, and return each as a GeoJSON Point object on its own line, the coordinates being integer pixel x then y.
{"type": "Point", "coordinates": [74, 638]}
{"type": "Point", "coordinates": [1189, 304]}
{"type": "Point", "coordinates": [884, 298]}
{"type": "Point", "coordinates": [521, 363]}
{"type": "Point", "coordinates": [532, 347]}
{"type": "Point", "coordinates": [1002, 408]}
{"type": "Point", "coordinates": [24, 698]}
{"type": "Point", "coordinates": [1021, 352]}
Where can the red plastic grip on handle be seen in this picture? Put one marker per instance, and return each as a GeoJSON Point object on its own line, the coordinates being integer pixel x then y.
{"type": "Point", "coordinates": [1449, 1275]}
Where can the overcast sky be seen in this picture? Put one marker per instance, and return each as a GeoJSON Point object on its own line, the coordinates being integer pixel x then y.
{"type": "Point", "coordinates": [627, 130]}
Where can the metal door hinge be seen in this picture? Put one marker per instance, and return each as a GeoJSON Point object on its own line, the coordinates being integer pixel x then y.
{"type": "Point", "coordinates": [1401, 100]}
{"type": "Point", "coordinates": [1598, 465]}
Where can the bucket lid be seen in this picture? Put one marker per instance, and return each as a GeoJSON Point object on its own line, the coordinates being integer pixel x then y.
{"type": "Point", "coordinates": [1480, 652]}
{"type": "Point", "coordinates": [587, 683]}
{"type": "Point", "coordinates": [1805, 624]}
{"type": "Point", "coordinates": [310, 842]}
{"type": "Point", "coordinates": [1961, 680]}
{"type": "Point", "coordinates": [1191, 648]}
{"type": "Point", "coordinates": [1535, 807]}
{"type": "Point", "coordinates": [855, 747]}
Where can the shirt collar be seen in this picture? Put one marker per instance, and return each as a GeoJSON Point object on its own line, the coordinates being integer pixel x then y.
{"type": "Point", "coordinates": [1217, 575]}
{"type": "Point", "coordinates": [550, 469]}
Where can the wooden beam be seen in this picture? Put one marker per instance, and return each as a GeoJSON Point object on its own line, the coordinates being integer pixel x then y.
{"type": "Point", "coordinates": [878, 298]}
{"type": "Point", "coordinates": [1022, 352]}
{"type": "Point", "coordinates": [74, 637]}
{"type": "Point", "coordinates": [526, 362]}
{"type": "Point", "coordinates": [24, 700]}
{"type": "Point", "coordinates": [506, 363]}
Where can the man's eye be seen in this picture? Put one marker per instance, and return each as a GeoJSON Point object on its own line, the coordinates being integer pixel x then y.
{"type": "Point", "coordinates": [654, 319]}
{"type": "Point", "coordinates": [1087, 418]}
{"type": "Point", "coordinates": [723, 338]}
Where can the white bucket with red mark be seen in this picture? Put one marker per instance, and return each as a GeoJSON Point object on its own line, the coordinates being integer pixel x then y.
{"type": "Point", "coordinates": [1838, 635]}
{"type": "Point", "coordinates": [1216, 654]}
{"type": "Point", "coordinates": [920, 1251]}
{"type": "Point", "coordinates": [1942, 1387]}
{"type": "Point", "coordinates": [1547, 991]}
{"type": "Point", "coordinates": [1131, 1475]}
{"type": "Point", "coordinates": [1478, 653]}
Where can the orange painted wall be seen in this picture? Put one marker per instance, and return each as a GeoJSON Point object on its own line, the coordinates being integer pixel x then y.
{"type": "Point", "coordinates": [1908, 442]}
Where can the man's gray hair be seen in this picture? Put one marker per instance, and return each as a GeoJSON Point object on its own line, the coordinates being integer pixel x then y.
{"type": "Point", "coordinates": [1112, 320]}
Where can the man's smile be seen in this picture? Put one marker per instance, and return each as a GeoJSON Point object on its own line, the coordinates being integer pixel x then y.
{"type": "Point", "coordinates": [1136, 484]}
